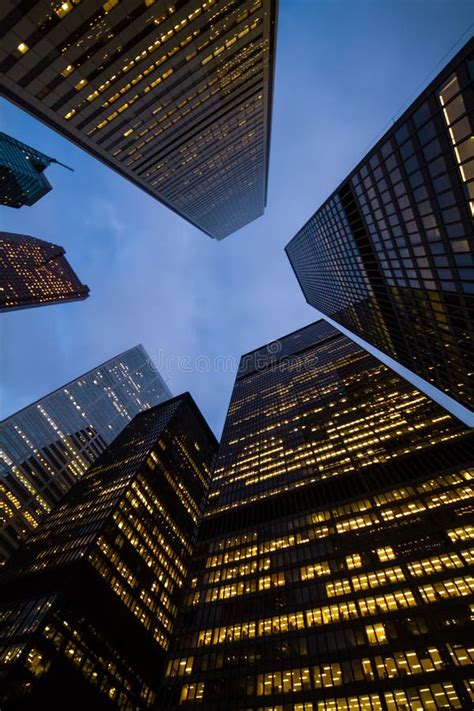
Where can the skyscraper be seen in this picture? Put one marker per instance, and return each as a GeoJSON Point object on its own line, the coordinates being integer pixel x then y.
{"type": "Point", "coordinates": [331, 570]}
{"type": "Point", "coordinates": [176, 97]}
{"type": "Point", "coordinates": [88, 604]}
{"type": "Point", "coordinates": [22, 179]}
{"type": "Point", "coordinates": [46, 447]}
{"type": "Point", "coordinates": [389, 255]}
{"type": "Point", "coordinates": [35, 273]}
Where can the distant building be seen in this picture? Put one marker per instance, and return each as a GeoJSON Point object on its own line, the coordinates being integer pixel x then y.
{"type": "Point", "coordinates": [88, 604]}
{"type": "Point", "coordinates": [333, 565]}
{"type": "Point", "coordinates": [46, 447]}
{"type": "Point", "coordinates": [35, 273]}
{"type": "Point", "coordinates": [176, 97]}
{"type": "Point", "coordinates": [390, 254]}
{"type": "Point", "coordinates": [22, 180]}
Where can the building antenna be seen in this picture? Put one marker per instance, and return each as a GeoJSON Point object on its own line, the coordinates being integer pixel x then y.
{"type": "Point", "coordinates": [53, 160]}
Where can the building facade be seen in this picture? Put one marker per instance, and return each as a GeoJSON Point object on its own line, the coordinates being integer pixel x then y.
{"type": "Point", "coordinates": [332, 565]}
{"type": "Point", "coordinates": [35, 273]}
{"type": "Point", "coordinates": [22, 179]}
{"type": "Point", "coordinates": [88, 604]}
{"type": "Point", "coordinates": [176, 97]}
{"type": "Point", "coordinates": [46, 447]}
{"type": "Point", "coordinates": [389, 255]}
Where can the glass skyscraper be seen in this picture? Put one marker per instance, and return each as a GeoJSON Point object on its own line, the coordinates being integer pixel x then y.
{"type": "Point", "coordinates": [332, 566]}
{"type": "Point", "coordinates": [389, 255]}
{"type": "Point", "coordinates": [88, 604]}
{"type": "Point", "coordinates": [46, 447]}
{"type": "Point", "coordinates": [22, 179]}
{"type": "Point", "coordinates": [35, 273]}
{"type": "Point", "coordinates": [176, 97]}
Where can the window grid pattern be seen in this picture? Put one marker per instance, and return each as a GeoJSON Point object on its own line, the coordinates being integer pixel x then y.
{"type": "Point", "coordinates": [174, 96]}
{"type": "Point", "coordinates": [341, 588]}
{"type": "Point", "coordinates": [115, 553]}
{"type": "Point", "coordinates": [35, 273]}
{"type": "Point", "coordinates": [46, 447]}
{"type": "Point", "coordinates": [389, 255]}
{"type": "Point", "coordinates": [22, 180]}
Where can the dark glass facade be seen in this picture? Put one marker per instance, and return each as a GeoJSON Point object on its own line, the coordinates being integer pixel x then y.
{"type": "Point", "coordinates": [332, 566]}
{"type": "Point", "coordinates": [22, 180]}
{"type": "Point", "coordinates": [176, 97]}
{"type": "Point", "coordinates": [35, 273]}
{"type": "Point", "coordinates": [46, 447]}
{"type": "Point", "coordinates": [390, 254]}
{"type": "Point", "coordinates": [89, 602]}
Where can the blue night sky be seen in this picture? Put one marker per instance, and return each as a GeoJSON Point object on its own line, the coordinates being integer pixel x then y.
{"type": "Point", "coordinates": [345, 69]}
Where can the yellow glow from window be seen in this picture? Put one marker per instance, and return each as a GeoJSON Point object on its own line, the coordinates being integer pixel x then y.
{"type": "Point", "coordinates": [67, 71]}
{"type": "Point", "coordinates": [64, 9]}
{"type": "Point", "coordinates": [23, 48]}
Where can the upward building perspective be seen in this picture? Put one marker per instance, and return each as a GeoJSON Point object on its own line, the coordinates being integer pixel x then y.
{"type": "Point", "coordinates": [22, 179]}
{"type": "Point", "coordinates": [389, 255]}
{"type": "Point", "coordinates": [88, 604]}
{"type": "Point", "coordinates": [46, 447]}
{"type": "Point", "coordinates": [35, 273]}
{"type": "Point", "coordinates": [331, 571]}
{"type": "Point", "coordinates": [176, 97]}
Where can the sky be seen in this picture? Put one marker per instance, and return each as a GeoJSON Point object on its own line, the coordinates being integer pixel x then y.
{"type": "Point", "coordinates": [344, 70]}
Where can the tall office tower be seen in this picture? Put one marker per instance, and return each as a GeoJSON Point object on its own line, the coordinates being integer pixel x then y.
{"type": "Point", "coordinates": [389, 255]}
{"type": "Point", "coordinates": [331, 568]}
{"type": "Point", "coordinates": [176, 97]}
{"type": "Point", "coordinates": [46, 447]}
{"type": "Point", "coordinates": [89, 603]}
{"type": "Point", "coordinates": [35, 273]}
{"type": "Point", "coordinates": [22, 180]}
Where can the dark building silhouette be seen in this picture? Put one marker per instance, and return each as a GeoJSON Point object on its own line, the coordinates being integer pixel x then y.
{"type": "Point", "coordinates": [48, 445]}
{"type": "Point", "coordinates": [389, 255]}
{"type": "Point", "coordinates": [22, 179]}
{"type": "Point", "coordinates": [176, 97]}
{"type": "Point", "coordinates": [35, 273]}
{"type": "Point", "coordinates": [332, 567]}
{"type": "Point", "coordinates": [88, 604]}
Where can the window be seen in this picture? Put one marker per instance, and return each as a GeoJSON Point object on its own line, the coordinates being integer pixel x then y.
{"type": "Point", "coordinates": [376, 634]}
{"type": "Point", "coordinates": [192, 692]}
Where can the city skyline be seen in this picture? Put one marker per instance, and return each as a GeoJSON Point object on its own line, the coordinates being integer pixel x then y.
{"type": "Point", "coordinates": [326, 567]}
{"type": "Point", "coordinates": [309, 546]}
{"type": "Point", "coordinates": [226, 302]}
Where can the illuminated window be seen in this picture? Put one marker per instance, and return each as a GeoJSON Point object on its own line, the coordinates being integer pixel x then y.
{"type": "Point", "coordinates": [376, 634]}
{"type": "Point", "coordinates": [63, 9]}
{"type": "Point", "coordinates": [192, 692]}
{"type": "Point", "coordinates": [453, 108]}
{"type": "Point", "coordinates": [462, 655]}
{"type": "Point", "coordinates": [327, 675]}
{"type": "Point", "coordinates": [353, 561]}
